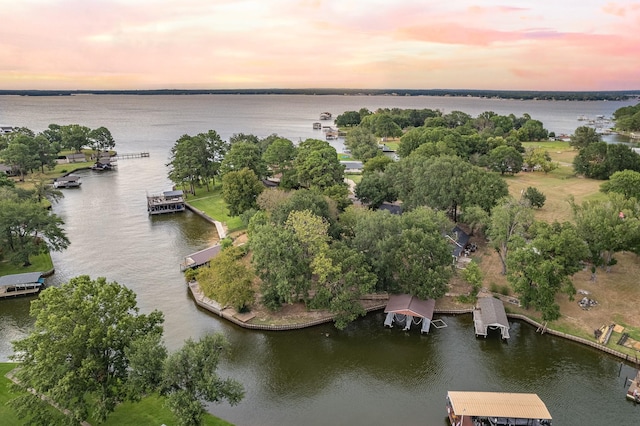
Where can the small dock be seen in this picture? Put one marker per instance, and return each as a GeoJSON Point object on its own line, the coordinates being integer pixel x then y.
{"type": "Point", "coordinates": [633, 393]}
{"type": "Point", "coordinates": [490, 314]}
{"type": "Point", "coordinates": [166, 202]}
{"type": "Point", "coordinates": [131, 155]}
{"type": "Point", "coordinates": [496, 409]}
{"type": "Point", "coordinates": [69, 181]}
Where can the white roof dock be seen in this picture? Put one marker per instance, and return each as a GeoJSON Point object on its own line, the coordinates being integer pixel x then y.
{"type": "Point", "coordinates": [498, 404]}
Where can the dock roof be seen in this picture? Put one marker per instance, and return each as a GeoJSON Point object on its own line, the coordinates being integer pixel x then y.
{"type": "Point", "coordinates": [68, 178]}
{"type": "Point", "coordinates": [492, 311]}
{"type": "Point", "coordinates": [406, 304]}
{"type": "Point", "coordinates": [201, 257]}
{"type": "Point", "coordinates": [498, 404]}
{"type": "Point", "coordinates": [18, 279]}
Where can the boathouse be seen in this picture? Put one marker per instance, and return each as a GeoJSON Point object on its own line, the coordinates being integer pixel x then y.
{"type": "Point", "coordinates": [21, 284]}
{"type": "Point", "coordinates": [405, 310]}
{"type": "Point", "coordinates": [496, 409]}
{"type": "Point", "coordinates": [69, 181]}
{"type": "Point", "coordinates": [488, 315]}
{"type": "Point", "coordinates": [200, 258]}
{"type": "Point", "coordinates": [166, 202]}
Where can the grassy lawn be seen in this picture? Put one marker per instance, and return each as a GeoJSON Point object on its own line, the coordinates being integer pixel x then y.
{"type": "Point", "coordinates": [39, 263]}
{"type": "Point", "coordinates": [356, 177]}
{"type": "Point", "coordinates": [150, 411]}
{"type": "Point", "coordinates": [213, 205]}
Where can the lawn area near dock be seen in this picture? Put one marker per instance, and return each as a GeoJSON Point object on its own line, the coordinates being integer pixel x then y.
{"type": "Point", "coordinates": [211, 203]}
{"type": "Point", "coordinates": [149, 411]}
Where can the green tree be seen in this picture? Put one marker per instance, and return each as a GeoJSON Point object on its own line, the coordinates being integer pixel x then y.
{"type": "Point", "coordinates": [348, 119]}
{"type": "Point", "coordinates": [76, 354]}
{"type": "Point", "coordinates": [583, 137]}
{"type": "Point", "coordinates": [473, 275]}
{"type": "Point", "coordinates": [374, 189]}
{"type": "Point", "coordinates": [509, 219]}
{"type": "Point", "coordinates": [534, 197]}
{"type": "Point", "coordinates": [376, 164]}
{"type": "Point", "coordinates": [227, 280]}
{"type": "Point", "coordinates": [591, 161]}
{"type": "Point", "coordinates": [240, 190]}
{"type": "Point", "coordinates": [626, 182]}
{"type": "Point", "coordinates": [279, 262]}
{"type": "Point", "coordinates": [608, 227]}
{"type": "Point", "coordinates": [27, 229]}
{"type": "Point", "coordinates": [46, 152]}
{"type": "Point", "coordinates": [75, 136]}
{"type": "Point", "coordinates": [386, 127]}
{"type": "Point", "coordinates": [505, 159]}
{"type": "Point", "coordinates": [542, 266]}
{"type": "Point", "coordinates": [317, 165]}
{"type": "Point", "coordinates": [100, 140]}
{"type": "Point", "coordinates": [185, 166]}
{"type": "Point", "coordinates": [191, 377]}
{"type": "Point", "coordinates": [279, 155]}
{"type": "Point", "coordinates": [476, 218]}
{"type": "Point", "coordinates": [244, 155]}
{"type": "Point", "coordinates": [362, 143]}
{"type": "Point", "coordinates": [20, 155]}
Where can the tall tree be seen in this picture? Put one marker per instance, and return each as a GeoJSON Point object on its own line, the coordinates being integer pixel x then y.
{"type": "Point", "coordinates": [191, 377]}
{"type": "Point", "coordinates": [505, 159]}
{"type": "Point", "coordinates": [583, 137]}
{"type": "Point", "coordinates": [362, 143]}
{"type": "Point", "coordinates": [509, 220]}
{"type": "Point", "coordinates": [100, 140]}
{"type": "Point", "coordinates": [626, 182]}
{"type": "Point", "coordinates": [76, 354]}
{"type": "Point", "coordinates": [542, 266]}
{"type": "Point", "coordinates": [20, 155]}
{"type": "Point", "coordinates": [27, 229]}
{"type": "Point", "coordinates": [185, 166]}
{"type": "Point", "coordinates": [608, 227]}
{"type": "Point", "coordinates": [317, 165]}
{"type": "Point", "coordinates": [227, 280]}
{"type": "Point", "coordinates": [240, 189]}
{"type": "Point", "coordinates": [374, 189]}
{"type": "Point", "coordinates": [244, 154]}
{"type": "Point", "coordinates": [75, 136]}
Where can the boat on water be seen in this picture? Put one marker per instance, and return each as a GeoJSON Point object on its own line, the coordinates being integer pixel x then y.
{"type": "Point", "coordinates": [325, 116]}
{"type": "Point", "coordinates": [496, 409]}
{"type": "Point", "coordinates": [25, 284]}
{"type": "Point", "coordinates": [69, 181]}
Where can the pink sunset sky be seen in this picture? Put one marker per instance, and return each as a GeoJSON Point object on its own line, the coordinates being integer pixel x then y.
{"type": "Point", "coordinates": [408, 44]}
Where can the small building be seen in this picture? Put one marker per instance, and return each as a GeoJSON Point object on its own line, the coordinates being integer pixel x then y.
{"type": "Point", "coordinates": [459, 239]}
{"type": "Point", "coordinates": [76, 157]}
{"type": "Point", "coordinates": [7, 170]}
{"type": "Point", "coordinates": [69, 181]}
{"type": "Point", "coordinates": [21, 284]}
{"type": "Point", "coordinates": [166, 202]}
{"type": "Point", "coordinates": [488, 315]}
{"type": "Point", "coordinates": [200, 258]}
{"type": "Point", "coordinates": [405, 310]}
{"type": "Point", "coordinates": [496, 409]}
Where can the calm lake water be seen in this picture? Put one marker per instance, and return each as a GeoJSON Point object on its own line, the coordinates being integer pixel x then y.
{"type": "Point", "coordinates": [363, 375]}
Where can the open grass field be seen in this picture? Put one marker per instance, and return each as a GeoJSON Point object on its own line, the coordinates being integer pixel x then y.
{"type": "Point", "coordinates": [39, 263]}
{"type": "Point", "coordinates": [617, 292]}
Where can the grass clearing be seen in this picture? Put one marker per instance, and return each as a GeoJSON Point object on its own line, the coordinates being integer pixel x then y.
{"type": "Point", "coordinates": [149, 411]}
{"type": "Point", "coordinates": [213, 205]}
{"type": "Point", "coordinates": [39, 263]}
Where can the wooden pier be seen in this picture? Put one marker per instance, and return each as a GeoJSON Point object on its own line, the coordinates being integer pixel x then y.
{"type": "Point", "coordinates": [131, 155]}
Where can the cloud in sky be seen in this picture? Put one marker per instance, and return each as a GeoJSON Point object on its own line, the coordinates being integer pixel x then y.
{"type": "Point", "coordinates": [490, 44]}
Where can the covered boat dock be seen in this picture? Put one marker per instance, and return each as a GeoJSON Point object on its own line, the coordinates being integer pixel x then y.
{"type": "Point", "coordinates": [405, 309]}
{"type": "Point", "coordinates": [167, 202]}
{"type": "Point", "coordinates": [199, 258]}
{"type": "Point", "coordinates": [496, 409]}
{"type": "Point", "coordinates": [21, 284]}
{"type": "Point", "coordinates": [490, 314]}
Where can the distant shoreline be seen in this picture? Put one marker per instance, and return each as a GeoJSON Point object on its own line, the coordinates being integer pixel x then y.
{"type": "Point", "coordinates": [496, 94]}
